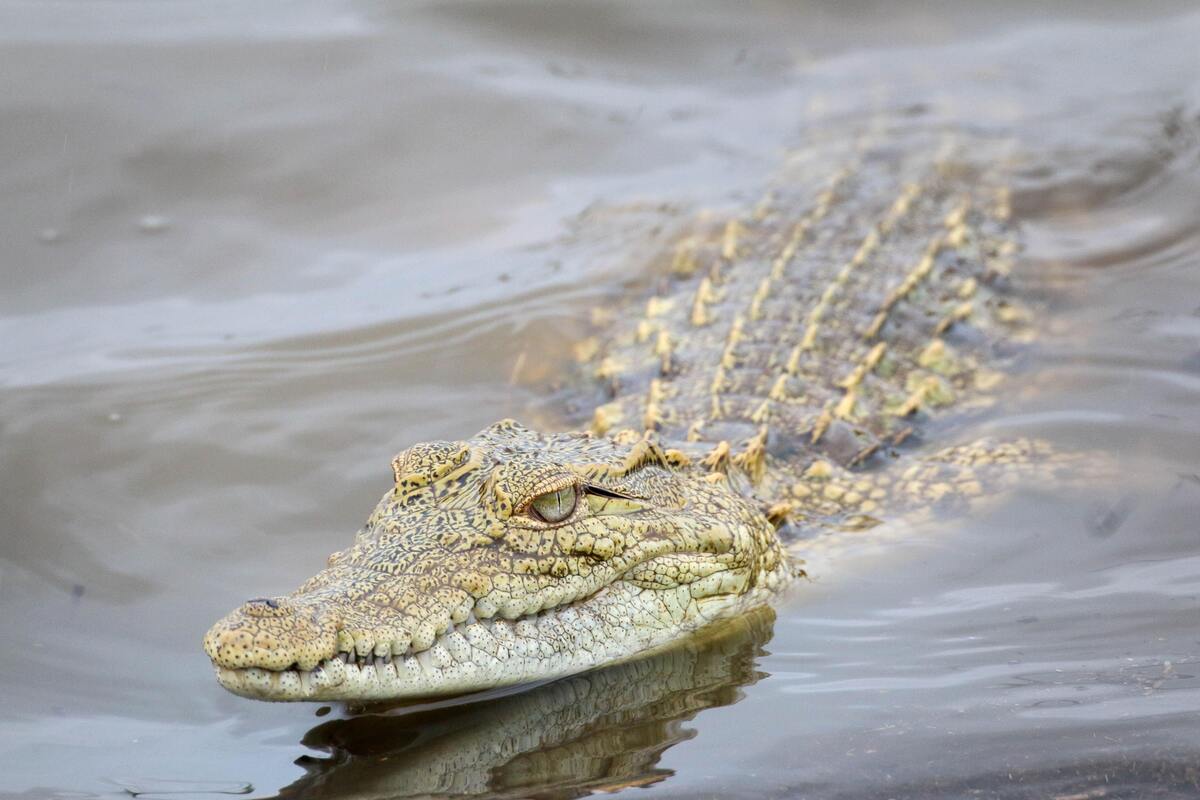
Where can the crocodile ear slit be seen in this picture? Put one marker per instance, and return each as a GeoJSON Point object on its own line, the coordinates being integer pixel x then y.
{"type": "Point", "coordinates": [601, 491]}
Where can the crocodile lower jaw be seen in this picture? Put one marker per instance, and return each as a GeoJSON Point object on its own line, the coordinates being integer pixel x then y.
{"type": "Point", "coordinates": [620, 622]}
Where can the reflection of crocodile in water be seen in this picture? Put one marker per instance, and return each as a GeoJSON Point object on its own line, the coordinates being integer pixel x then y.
{"type": "Point", "coordinates": [776, 376]}
{"type": "Point", "coordinates": [595, 732]}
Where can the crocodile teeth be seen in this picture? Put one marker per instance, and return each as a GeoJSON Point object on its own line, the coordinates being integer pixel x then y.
{"type": "Point", "coordinates": [335, 671]}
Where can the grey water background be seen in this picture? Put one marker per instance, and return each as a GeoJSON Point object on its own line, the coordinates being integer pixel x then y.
{"type": "Point", "coordinates": [249, 251]}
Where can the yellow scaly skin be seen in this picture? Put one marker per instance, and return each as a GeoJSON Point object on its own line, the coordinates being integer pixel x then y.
{"type": "Point", "coordinates": [789, 354]}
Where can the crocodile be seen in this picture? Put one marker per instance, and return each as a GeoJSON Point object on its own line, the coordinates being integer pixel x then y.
{"type": "Point", "coordinates": [784, 380]}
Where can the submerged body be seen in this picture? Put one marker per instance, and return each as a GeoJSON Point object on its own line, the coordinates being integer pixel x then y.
{"type": "Point", "coordinates": [776, 377]}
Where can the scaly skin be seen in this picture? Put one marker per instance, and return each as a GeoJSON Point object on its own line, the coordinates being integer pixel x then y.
{"type": "Point", "coordinates": [442, 590]}
{"type": "Point", "coordinates": [788, 353]}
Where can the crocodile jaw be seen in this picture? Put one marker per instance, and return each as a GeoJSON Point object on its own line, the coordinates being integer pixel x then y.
{"type": "Point", "coordinates": [620, 622]}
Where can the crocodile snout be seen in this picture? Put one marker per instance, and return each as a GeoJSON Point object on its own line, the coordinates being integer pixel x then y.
{"type": "Point", "coordinates": [274, 634]}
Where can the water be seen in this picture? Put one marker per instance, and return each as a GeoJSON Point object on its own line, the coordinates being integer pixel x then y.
{"type": "Point", "coordinates": [249, 253]}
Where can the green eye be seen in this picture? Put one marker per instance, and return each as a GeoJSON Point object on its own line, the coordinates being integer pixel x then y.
{"type": "Point", "coordinates": [555, 506]}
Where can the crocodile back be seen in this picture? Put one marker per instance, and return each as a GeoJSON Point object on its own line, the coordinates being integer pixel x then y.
{"type": "Point", "coordinates": [815, 331]}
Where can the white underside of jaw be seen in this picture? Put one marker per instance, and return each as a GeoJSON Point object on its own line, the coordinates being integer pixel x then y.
{"type": "Point", "coordinates": [620, 622]}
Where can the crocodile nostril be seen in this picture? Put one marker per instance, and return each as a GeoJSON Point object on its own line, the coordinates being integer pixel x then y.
{"type": "Point", "coordinates": [266, 601]}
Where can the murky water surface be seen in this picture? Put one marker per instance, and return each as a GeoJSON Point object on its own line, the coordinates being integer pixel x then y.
{"type": "Point", "coordinates": [249, 253]}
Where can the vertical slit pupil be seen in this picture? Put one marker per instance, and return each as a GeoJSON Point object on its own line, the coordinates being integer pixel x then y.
{"type": "Point", "coordinates": [557, 505]}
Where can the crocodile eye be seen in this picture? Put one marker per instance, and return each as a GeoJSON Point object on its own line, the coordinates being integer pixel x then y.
{"type": "Point", "coordinates": [554, 506]}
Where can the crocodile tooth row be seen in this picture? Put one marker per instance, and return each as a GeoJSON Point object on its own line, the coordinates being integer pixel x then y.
{"type": "Point", "coordinates": [331, 671]}
{"type": "Point", "coordinates": [363, 651]}
{"type": "Point", "coordinates": [539, 646]}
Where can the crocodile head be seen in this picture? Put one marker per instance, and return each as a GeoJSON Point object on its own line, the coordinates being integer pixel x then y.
{"type": "Point", "coordinates": [508, 558]}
